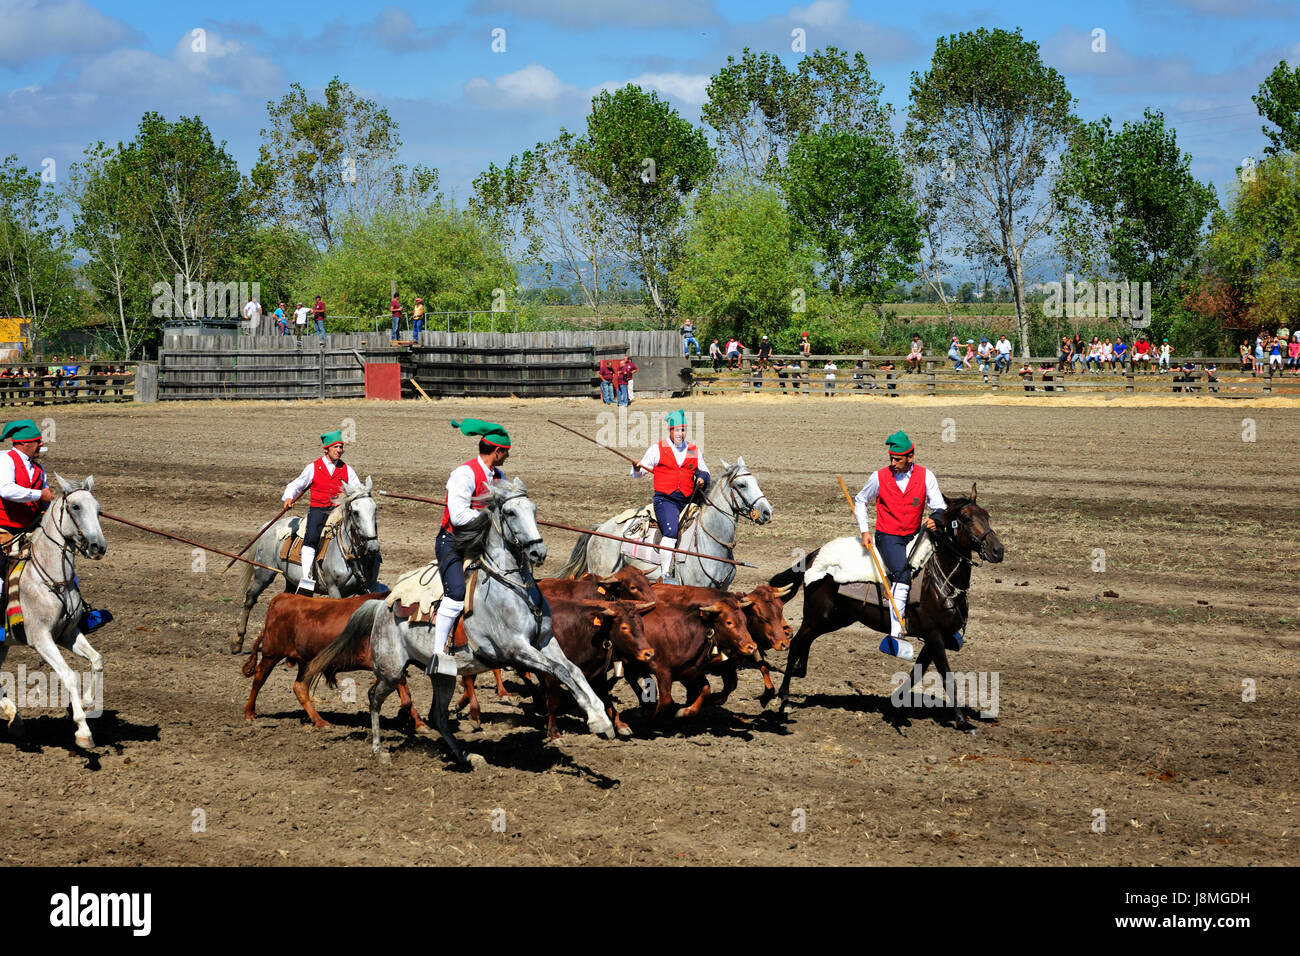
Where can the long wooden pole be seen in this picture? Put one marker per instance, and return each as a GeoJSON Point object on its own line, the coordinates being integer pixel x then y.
{"type": "Point", "coordinates": [283, 511]}
{"type": "Point", "coordinates": [884, 581]}
{"type": "Point", "coordinates": [204, 547]}
{"type": "Point", "coordinates": [596, 443]}
{"type": "Point", "coordinates": [598, 534]}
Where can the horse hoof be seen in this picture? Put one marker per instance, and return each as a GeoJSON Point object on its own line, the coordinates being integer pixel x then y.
{"type": "Point", "coordinates": [236, 647]}
{"type": "Point", "coordinates": [85, 741]}
{"type": "Point", "coordinates": [384, 756]}
{"type": "Point", "coordinates": [476, 762]}
{"type": "Point", "coordinates": [624, 731]}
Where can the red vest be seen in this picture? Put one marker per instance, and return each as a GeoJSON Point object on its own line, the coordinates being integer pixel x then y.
{"type": "Point", "coordinates": [21, 515]}
{"type": "Point", "coordinates": [326, 487]}
{"type": "Point", "coordinates": [480, 487]}
{"type": "Point", "coordinates": [670, 476]}
{"type": "Point", "coordinates": [899, 511]}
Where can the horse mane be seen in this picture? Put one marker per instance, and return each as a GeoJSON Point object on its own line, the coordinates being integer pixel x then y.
{"type": "Point", "coordinates": [471, 540]}
{"type": "Point", "coordinates": [350, 493]}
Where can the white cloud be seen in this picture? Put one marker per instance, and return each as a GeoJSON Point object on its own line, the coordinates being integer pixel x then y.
{"type": "Point", "coordinates": [32, 29]}
{"type": "Point", "coordinates": [224, 62]}
{"type": "Point", "coordinates": [594, 14]}
{"type": "Point", "coordinates": [689, 88]}
{"type": "Point", "coordinates": [534, 87]}
{"type": "Point", "coordinates": [825, 23]}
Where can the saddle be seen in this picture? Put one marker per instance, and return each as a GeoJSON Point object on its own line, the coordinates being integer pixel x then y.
{"type": "Point", "coordinates": [416, 595]}
{"type": "Point", "coordinates": [643, 526]}
{"type": "Point", "coordinates": [16, 549]}
{"type": "Point", "coordinates": [291, 546]}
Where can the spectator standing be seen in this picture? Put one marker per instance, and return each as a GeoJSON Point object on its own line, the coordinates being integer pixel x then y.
{"type": "Point", "coordinates": [395, 309]}
{"type": "Point", "coordinates": [1259, 353]}
{"type": "Point", "coordinates": [606, 373]}
{"type": "Point", "coordinates": [300, 318]}
{"type": "Point", "coordinates": [1293, 354]}
{"type": "Point", "coordinates": [1274, 354]}
{"type": "Point", "coordinates": [1026, 374]}
{"type": "Point", "coordinates": [1162, 364]}
{"type": "Point", "coordinates": [629, 369]}
{"type": "Point", "coordinates": [688, 339]}
{"type": "Point", "coordinates": [253, 313]}
{"type": "Point", "coordinates": [623, 380]}
{"type": "Point", "coordinates": [318, 314]}
{"type": "Point", "coordinates": [281, 321]}
{"type": "Point", "coordinates": [1245, 356]}
{"type": "Point", "coordinates": [418, 317]}
{"type": "Point", "coordinates": [1003, 362]}
{"type": "Point", "coordinates": [1078, 350]}
{"type": "Point", "coordinates": [830, 368]}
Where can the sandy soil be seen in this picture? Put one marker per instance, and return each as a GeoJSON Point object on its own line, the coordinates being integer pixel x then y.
{"type": "Point", "coordinates": [1119, 691]}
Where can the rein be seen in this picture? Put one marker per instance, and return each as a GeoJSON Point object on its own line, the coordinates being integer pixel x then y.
{"type": "Point", "coordinates": [523, 569]}
{"type": "Point", "coordinates": [348, 529]}
{"type": "Point", "coordinates": [730, 496]}
{"type": "Point", "coordinates": [60, 588]}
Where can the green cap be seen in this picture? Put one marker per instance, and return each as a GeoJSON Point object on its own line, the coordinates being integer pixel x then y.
{"type": "Point", "coordinates": [490, 432]}
{"type": "Point", "coordinates": [22, 430]}
{"type": "Point", "coordinates": [898, 443]}
{"type": "Point", "coordinates": [330, 438]}
{"type": "Point", "coordinates": [677, 418]}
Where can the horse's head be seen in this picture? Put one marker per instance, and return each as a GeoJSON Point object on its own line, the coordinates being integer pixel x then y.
{"type": "Point", "coordinates": [743, 492]}
{"type": "Point", "coordinates": [517, 515]}
{"type": "Point", "coordinates": [362, 513]}
{"type": "Point", "coordinates": [971, 528]}
{"type": "Point", "coordinates": [75, 513]}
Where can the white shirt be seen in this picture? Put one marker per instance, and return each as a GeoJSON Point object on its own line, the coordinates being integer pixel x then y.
{"type": "Point", "coordinates": [831, 368]}
{"type": "Point", "coordinates": [651, 458]}
{"type": "Point", "coordinates": [933, 499]}
{"type": "Point", "coordinates": [984, 350]}
{"type": "Point", "coordinates": [9, 489]}
{"type": "Point", "coordinates": [1004, 347]}
{"type": "Point", "coordinates": [460, 492]}
{"type": "Point", "coordinates": [301, 483]}
{"type": "Point", "coordinates": [300, 315]}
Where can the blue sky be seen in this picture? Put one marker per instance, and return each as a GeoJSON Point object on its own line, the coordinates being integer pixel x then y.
{"type": "Point", "coordinates": [76, 71]}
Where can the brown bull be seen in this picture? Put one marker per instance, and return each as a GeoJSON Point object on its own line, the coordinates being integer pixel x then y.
{"type": "Point", "coordinates": [297, 628]}
{"type": "Point", "coordinates": [678, 631]}
{"type": "Point", "coordinates": [594, 634]}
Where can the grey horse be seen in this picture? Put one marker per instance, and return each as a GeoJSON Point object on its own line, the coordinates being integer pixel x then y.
{"type": "Point", "coordinates": [51, 600]}
{"type": "Point", "coordinates": [733, 494]}
{"type": "Point", "coordinates": [349, 566]}
{"type": "Point", "coordinates": [510, 625]}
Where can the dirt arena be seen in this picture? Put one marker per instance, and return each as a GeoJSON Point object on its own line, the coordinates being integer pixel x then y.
{"type": "Point", "coordinates": [1119, 690]}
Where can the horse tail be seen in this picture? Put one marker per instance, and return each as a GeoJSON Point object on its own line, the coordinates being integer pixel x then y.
{"type": "Point", "coordinates": [358, 626]}
{"type": "Point", "coordinates": [245, 581]}
{"type": "Point", "coordinates": [577, 563]}
{"type": "Point", "coordinates": [794, 574]}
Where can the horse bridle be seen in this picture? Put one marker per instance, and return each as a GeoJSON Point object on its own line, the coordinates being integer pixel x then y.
{"type": "Point", "coordinates": [348, 529]}
{"type": "Point", "coordinates": [524, 568]}
{"type": "Point", "coordinates": [730, 480]}
{"type": "Point", "coordinates": [80, 546]}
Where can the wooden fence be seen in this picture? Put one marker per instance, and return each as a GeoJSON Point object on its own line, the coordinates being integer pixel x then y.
{"type": "Point", "coordinates": [808, 376]}
{"type": "Point", "coordinates": [32, 383]}
{"type": "Point", "coordinates": [268, 366]}
{"type": "Point", "coordinates": [526, 364]}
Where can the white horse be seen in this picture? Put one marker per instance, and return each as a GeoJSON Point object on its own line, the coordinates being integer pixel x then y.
{"type": "Point", "coordinates": [510, 625]}
{"type": "Point", "coordinates": [349, 565]}
{"type": "Point", "coordinates": [51, 601]}
{"type": "Point", "coordinates": [733, 494]}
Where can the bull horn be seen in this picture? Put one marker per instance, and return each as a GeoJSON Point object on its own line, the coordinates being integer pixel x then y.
{"type": "Point", "coordinates": [645, 607]}
{"type": "Point", "coordinates": [608, 579]}
{"type": "Point", "coordinates": [786, 591]}
{"type": "Point", "coordinates": [714, 608]}
{"type": "Point", "coordinates": [747, 602]}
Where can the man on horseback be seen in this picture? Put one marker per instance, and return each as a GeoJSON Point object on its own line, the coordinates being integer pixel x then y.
{"type": "Point", "coordinates": [326, 477]}
{"type": "Point", "coordinates": [467, 482]}
{"type": "Point", "coordinates": [678, 469]}
{"type": "Point", "coordinates": [23, 486]}
{"type": "Point", "coordinates": [902, 492]}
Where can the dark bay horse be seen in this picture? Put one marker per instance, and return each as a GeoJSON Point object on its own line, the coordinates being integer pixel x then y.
{"type": "Point", "coordinates": [935, 612]}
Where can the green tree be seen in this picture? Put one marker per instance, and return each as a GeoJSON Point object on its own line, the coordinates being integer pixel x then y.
{"type": "Point", "coordinates": [848, 196]}
{"type": "Point", "coordinates": [36, 277]}
{"type": "Point", "coordinates": [742, 271]}
{"type": "Point", "coordinates": [1130, 205]}
{"type": "Point", "coordinates": [558, 209]}
{"type": "Point", "coordinates": [1278, 101]}
{"type": "Point", "coordinates": [445, 255]}
{"type": "Point", "coordinates": [991, 117]}
{"type": "Point", "coordinates": [184, 201]}
{"type": "Point", "coordinates": [648, 160]}
{"type": "Point", "coordinates": [323, 159]}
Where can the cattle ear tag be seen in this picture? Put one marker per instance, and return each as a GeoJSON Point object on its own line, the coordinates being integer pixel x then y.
{"type": "Point", "coordinates": [595, 620]}
{"type": "Point", "coordinates": [954, 524]}
{"type": "Point", "coordinates": [601, 590]}
{"type": "Point", "coordinates": [618, 668]}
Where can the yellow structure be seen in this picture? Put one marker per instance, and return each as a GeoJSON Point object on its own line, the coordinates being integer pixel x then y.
{"type": "Point", "coordinates": [13, 334]}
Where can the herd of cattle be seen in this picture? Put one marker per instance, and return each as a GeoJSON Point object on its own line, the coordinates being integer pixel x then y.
{"type": "Point", "coordinates": [651, 635]}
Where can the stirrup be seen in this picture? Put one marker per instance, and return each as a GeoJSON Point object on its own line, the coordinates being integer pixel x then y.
{"type": "Point", "coordinates": [443, 664]}
{"type": "Point", "coordinates": [306, 589]}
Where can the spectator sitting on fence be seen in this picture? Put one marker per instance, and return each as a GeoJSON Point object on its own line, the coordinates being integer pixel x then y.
{"type": "Point", "coordinates": [688, 338]}
{"type": "Point", "coordinates": [968, 361]}
{"type": "Point", "coordinates": [734, 348]}
{"type": "Point", "coordinates": [1003, 364]}
{"type": "Point", "coordinates": [985, 355]}
{"type": "Point", "coordinates": [1107, 357]}
{"type": "Point", "coordinates": [1120, 352]}
{"type": "Point", "coordinates": [715, 353]}
{"type": "Point", "coordinates": [1093, 361]}
{"type": "Point", "coordinates": [764, 352]}
{"type": "Point", "coordinates": [1245, 356]}
{"type": "Point", "coordinates": [954, 353]}
{"type": "Point", "coordinates": [1063, 356]}
{"type": "Point", "coordinates": [1142, 354]}
{"type": "Point", "coordinates": [913, 362]}
{"type": "Point", "coordinates": [831, 368]}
